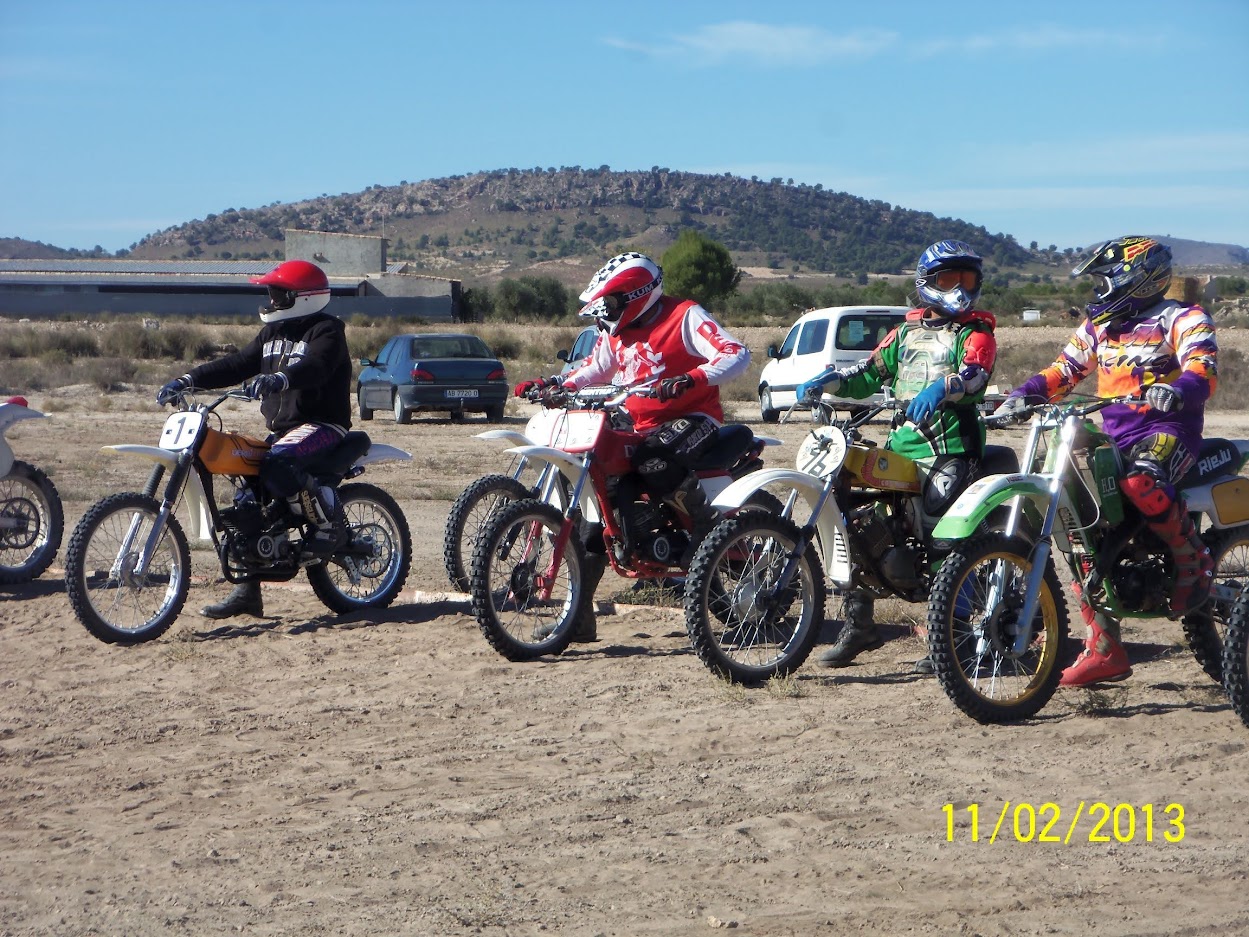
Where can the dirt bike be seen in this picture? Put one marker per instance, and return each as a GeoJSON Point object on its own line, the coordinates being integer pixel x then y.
{"type": "Point", "coordinates": [528, 565]}
{"type": "Point", "coordinates": [471, 508]}
{"type": "Point", "coordinates": [128, 566]}
{"type": "Point", "coordinates": [32, 520]}
{"type": "Point", "coordinates": [754, 598]}
{"type": "Point", "coordinates": [997, 614]}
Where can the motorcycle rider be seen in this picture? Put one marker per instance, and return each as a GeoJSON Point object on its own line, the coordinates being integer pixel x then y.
{"type": "Point", "coordinates": [300, 370]}
{"type": "Point", "coordinates": [1139, 342]}
{"type": "Point", "coordinates": [938, 361]}
{"type": "Point", "coordinates": [643, 335]}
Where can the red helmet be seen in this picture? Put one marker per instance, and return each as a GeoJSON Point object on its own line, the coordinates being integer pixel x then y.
{"type": "Point", "coordinates": [296, 288]}
{"type": "Point", "coordinates": [622, 291]}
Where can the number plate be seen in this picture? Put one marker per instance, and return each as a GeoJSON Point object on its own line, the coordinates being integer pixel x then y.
{"type": "Point", "coordinates": [180, 430]}
{"type": "Point", "coordinates": [460, 393]}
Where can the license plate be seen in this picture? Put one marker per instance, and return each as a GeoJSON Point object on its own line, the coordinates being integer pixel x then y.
{"type": "Point", "coordinates": [461, 393]}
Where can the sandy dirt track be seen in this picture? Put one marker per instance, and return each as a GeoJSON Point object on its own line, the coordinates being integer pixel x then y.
{"type": "Point", "coordinates": [388, 773]}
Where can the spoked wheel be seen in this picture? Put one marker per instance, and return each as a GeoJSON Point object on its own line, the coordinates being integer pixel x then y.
{"type": "Point", "coordinates": [1206, 627]}
{"type": "Point", "coordinates": [973, 619]}
{"type": "Point", "coordinates": [1236, 656]}
{"type": "Point", "coordinates": [371, 570]}
{"type": "Point", "coordinates": [467, 518]}
{"type": "Point", "coordinates": [117, 603]}
{"type": "Point", "coordinates": [32, 523]}
{"type": "Point", "coordinates": [526, 580]}
{"type": "Point", "coordinates": [742, 625]}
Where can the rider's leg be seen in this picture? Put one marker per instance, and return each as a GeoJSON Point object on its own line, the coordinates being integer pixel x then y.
{"type": "Point", "coordinates": [284, 475]}
{"type": "Point", "coordinates": [858, 631]}
{"type": "Point", "coordinates": [1103, 657]}
{"type": "Point", "coordinates": [1155, 464]}
{"type": "Point", "coordinates": [585, 629]}
{"type": "Point", "coordinates": [244, 599]}
{"type": "Point", "coordinates": [663, 461]}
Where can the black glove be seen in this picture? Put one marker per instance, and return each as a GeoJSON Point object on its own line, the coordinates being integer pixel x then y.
{"type": "Point", "coordinates": [267, 384]}
{"type": "Point", "coordinates": [670, 388]}
{"type": "Point", "coordinates": [173, 390]}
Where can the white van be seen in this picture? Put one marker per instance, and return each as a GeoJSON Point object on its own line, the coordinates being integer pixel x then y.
{"type": "Point", "coordinates": [839, 336]}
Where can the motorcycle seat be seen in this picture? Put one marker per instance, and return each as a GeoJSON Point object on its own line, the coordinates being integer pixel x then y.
{"type": "Point", "coordinates": [339, 459]}
{"type": "Point", "coordinates": [998, 460]}
{"type": "Point", "coordinates": [731, 443]}
{"type": "Point", "coordinates": [1216, 457]}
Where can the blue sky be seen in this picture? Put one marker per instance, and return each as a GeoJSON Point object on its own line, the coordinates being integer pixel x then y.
{"type": "Point", "coordinates": [1063, 122]}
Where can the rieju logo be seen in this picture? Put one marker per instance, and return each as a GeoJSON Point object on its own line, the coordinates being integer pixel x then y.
{"type": "Point", "coordinates": [1212, 462]}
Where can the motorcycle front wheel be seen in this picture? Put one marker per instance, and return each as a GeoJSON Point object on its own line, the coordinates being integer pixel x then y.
{"type": "Point", "coordinates": [742, 628]}
{"type": "Point", "coordinates": [1236, 656]}
{"type": "Point", "coordinates": [973, 618]}
{"type": "Point", "coordinates": [32, 523]}
{"type": "Point", "coordinates": [1205, 628]}
{"type": "Point", "coordinates": [112, 600]}
{"type": "Point", "coordinates": [371, 570]}
{"type": "Point", "coordinates": [467, 519]}
{"type": "Point", "coordinates": [526, 580]}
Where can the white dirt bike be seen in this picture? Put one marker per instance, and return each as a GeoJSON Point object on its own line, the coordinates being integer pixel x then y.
{"type": "Point", "coordinates": [128, 566]}
{"type": "Point", "coordinates": [32, 520]}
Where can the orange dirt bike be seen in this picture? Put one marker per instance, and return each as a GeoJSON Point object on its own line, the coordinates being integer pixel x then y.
{"type": "Point", "coordinates": [529, 562]}
{"type": "Point", "coordinates": [32, 520]}
{"type": "Point", "coordinates": [128, 567]}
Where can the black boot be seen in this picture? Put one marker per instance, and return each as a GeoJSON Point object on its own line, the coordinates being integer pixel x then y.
{"type": "Point", "coordinates": [244, 599]}
{"type": "Point", "coordinates": [858, 632]}
{"type": "Point", "coordinates": [585, 628]}
{"type": "Point", "coordinates": [321, 506]}
{"type": "Point", "coordinates": [691, 499]}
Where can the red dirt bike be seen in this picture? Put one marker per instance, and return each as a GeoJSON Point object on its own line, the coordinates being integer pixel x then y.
{"type": "Point", "coordinates": [528, 565]}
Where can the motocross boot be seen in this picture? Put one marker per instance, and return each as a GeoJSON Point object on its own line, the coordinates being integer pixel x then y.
{"type": "Point", "coordinates": [244, 599]}
{"type": "Point", "coordinates": [320, 505]}
{"type": "Point", "coordinates": [1194, 567]}
{"type": "Point", "coordinates": [858, 632]}
{"type": "Point", "coordinates": [691, 498]}
{"type": "Point", "coordinates": [585, 628]}
{"type": "Point", "coordinates": [1103, 658]}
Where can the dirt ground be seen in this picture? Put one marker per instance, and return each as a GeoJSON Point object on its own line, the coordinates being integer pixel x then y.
{"type": "Point", "coordinates": [389, 773]}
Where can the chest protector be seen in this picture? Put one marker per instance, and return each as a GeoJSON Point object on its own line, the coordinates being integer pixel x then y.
{"type": "Point", "coordinates": [923, 356]}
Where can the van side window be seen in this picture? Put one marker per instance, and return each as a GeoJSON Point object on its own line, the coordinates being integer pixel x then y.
{"type": "Point", "coordinates": [813, 335]}
{"type": "Point", "coordinates": [864, 333]}
{"type": "Point", "coordinates": [787, 348]}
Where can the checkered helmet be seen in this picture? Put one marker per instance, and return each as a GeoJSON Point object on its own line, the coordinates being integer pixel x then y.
{"type": "Point", "coordinates": [1130, 274]}
{"type": "Point", "coordinates": [622, 291]}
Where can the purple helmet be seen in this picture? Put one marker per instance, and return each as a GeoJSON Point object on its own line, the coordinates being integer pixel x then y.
{"type": "Point", "coordinates": [1130, 274]}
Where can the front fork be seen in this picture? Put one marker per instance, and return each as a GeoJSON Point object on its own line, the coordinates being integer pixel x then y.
{"type": "Point", "coordinates": [173, 491]}
{"type": "Point", "coordinates": [546, 578]}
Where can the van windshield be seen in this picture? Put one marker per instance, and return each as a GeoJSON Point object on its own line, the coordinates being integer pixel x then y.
{"type": "Point", "coordinates": [864, 332]}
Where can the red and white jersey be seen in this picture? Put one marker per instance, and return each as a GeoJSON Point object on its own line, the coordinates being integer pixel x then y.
{"type": "Point", "coordinates": [681, 339]}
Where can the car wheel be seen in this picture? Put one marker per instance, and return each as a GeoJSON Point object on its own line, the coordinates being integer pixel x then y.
{"type": "Point", "coordinates": [494, 414]}
{"type": "Point", "coordinates": [767, 412]}
{"type": "Point", "coordinates": [365, 412]}
{"type": "Point", "coordinates": [402, 415]}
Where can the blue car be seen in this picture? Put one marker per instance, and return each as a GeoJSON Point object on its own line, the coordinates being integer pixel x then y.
{"type": "Point", "coordinates": [447, 372]}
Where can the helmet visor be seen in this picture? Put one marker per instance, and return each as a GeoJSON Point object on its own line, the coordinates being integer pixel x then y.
{"type": "Point", "coordinates": [280, 298]}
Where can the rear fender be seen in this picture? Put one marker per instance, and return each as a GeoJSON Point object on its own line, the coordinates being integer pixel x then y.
{"type": "Point", "coordinates": [830, 525]}
{"type": "Point", "coordinates": [506, 435]}
{"type": "Point", "coordinates": [200, 523]}
{"type": "Point", "coordinates": [380, 452]}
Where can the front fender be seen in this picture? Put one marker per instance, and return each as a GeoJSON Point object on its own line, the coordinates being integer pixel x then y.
{"type": "Point", "coordinates": [11, 413]}
{"type": "Point", "coordinates": [506, 435]}
{"type": "Point", "coordinates": [199, 523]}
{"type": "Point", "coordinates": [983, 495]}
{"type": "Point", "coordinates": [568, 465]}
{"type": "Point", "coordinates": [830, 525]}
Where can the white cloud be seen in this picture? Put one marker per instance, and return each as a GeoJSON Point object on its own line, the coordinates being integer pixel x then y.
{"type": "Point", "coordinates": [1041, 38]}
{"type": "Point", "coordinates": [768, 45]}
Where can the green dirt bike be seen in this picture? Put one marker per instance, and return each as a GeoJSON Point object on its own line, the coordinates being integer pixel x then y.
{"type": "Point", "coordinates": [997, 615]}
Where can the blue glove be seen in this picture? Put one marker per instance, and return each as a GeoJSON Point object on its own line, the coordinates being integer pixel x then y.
{"type": "Point", "coordinates": [173, 390]}
{"type": "Point", "coordinates": [926, 401]}
{"type": "Point", "coordinates": [809, 391]}
{"type": "Point", "coordinates": [267, 384]}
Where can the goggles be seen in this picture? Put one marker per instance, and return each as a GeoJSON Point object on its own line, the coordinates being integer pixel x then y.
{"type": "Point", "coordinates": [946, 280]}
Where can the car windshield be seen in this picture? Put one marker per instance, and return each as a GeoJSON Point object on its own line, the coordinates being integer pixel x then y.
{"type": "Point", "coordinates": [450, 346]}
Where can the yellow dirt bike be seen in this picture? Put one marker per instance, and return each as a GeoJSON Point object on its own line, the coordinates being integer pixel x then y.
{"type": "Point", "coordinates": [128, 566]}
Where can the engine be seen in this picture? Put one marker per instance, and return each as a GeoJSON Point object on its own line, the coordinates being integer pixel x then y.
{"type": "Point", "coordinates": [889, 556]}
{"type": "Point", "coordinates": [252, 536]}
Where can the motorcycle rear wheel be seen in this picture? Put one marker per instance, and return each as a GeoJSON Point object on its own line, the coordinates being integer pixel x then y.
{"type": "Point", "coordinates": [468, 517]}
{"type": "Point", "coordinates": [969, 635]}
{"type": "Point", "coordinates": [1236, 656]}
{"type": "Point", "coordinates": [29, 502]}
{"type": "Point", "coordinates": [732, 575]}
{"type": "Point", "coordinates": [525, 601]}
{"type": "Point", "coordinates": [348, 582]}
{"type": "Point", "coordinates": [113, 603]}
{"type": "Point", "coordinates": [1205, 629]}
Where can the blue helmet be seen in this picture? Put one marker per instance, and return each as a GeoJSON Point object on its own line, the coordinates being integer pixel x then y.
{"type": "Point", "coordinates": [948, 278]}
{"type": "Point", "coordinates": [1130, 274]}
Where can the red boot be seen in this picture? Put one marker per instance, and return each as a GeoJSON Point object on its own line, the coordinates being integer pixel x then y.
{"type": "Point", "coordinates": [1103, 658]}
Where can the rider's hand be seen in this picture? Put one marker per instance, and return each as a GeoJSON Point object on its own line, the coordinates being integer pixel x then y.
{"type": "Point", "coordinates": [1012, 408]}
{"type": "Point", "coordinates": [670, 388]}
{"type": "Point", "coordinates": [171, 391]}
{"type": "Point", "coordinates": [525, 388]}
{"type": "Point", "coordinates": [267, 384]}
{"type": "Point", "coordinates": [828, 381]}
{"type": "Point", "coordinates": [553, 394]}
{"type": "Point", "coordinates": [926, 402]}
{"type": "Point", "coordinates": [1164, 398]}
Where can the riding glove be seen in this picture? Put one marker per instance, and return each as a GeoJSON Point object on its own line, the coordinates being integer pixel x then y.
{"type": "Point", "coordinates": [670, 388]}
{"type": "Point", "coordinates": [171, 391]}
{"type": "Point", "coordinates": [1164, 398]}
{"type": "Point", "coordinates": [926, 401]}
{"type": "Point", "coordinates": [267, 384]}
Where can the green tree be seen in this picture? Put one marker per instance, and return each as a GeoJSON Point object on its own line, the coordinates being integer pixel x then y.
{"type": "Point", "coordinates": [698, 268]}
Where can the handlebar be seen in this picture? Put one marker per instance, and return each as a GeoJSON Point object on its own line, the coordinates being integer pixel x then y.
{"type": "Point", "coordinates": [1080, 406]}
